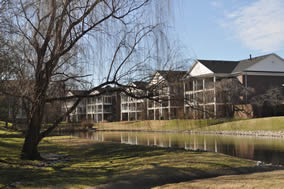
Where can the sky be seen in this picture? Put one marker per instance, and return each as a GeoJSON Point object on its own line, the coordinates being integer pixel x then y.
{"type": "Point", "coordinates": [228, 29]}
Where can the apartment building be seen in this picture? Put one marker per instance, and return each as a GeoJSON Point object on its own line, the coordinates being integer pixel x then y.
{"type": "Point", "coordinates": [133, 108]}
{"type": "Point", "coordinates": [104, 107]}
{"type": "Point", "coordinates": [98, 108]}
{"type": "Point", "coordinates": [204, 92]}
{"type": "Point", "coordinates": [207, 90]}
{"type": "Point", "coordinates": [167, 89]}
{"type": "Point", "coordinates": [79, 113]}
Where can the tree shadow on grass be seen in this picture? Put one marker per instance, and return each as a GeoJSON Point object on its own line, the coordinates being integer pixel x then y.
{"type": "Point", "coordinates": [11, 136]}
{"type": "Point", "coordinates": [109, 165]}
{"type": "Point", "coordinates": [9, 145]}
{"type": "Point", "coordinates": [159, 176]}
{"type": "Point", "coordinates": [100, 167]}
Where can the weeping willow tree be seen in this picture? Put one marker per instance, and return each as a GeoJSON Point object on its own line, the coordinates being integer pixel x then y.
{"type": "Point", "coordinates": [65, 41]}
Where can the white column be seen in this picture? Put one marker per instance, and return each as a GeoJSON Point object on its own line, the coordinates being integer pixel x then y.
{"type": "Point", "coordinates": [161, 110]}
{"type": "Point", "coordinates": [215, 98]}
{"type": "Point", "coordinates": [184, 98]}
{"type": "Point", "coordinates": [193, 98]}
{"type": "Point", "coordinates": [154, 108]}
{"type": "Point", "coordinates": [128, 107]}
{"type": "Point", "coordinates": [136, 110]}
{"type": "Point", "coordinates": [120, 107]}
{"type": "Point", "coordinates": [203, 97]}
{"type": "Point", "coordinates": [147, 107]}
{"type": "Point", "coordinates": [169, 103]}
{"type": "Point", "coordinates": [246, 86]}
{"type": "Point", "coordinates": [103, 110]}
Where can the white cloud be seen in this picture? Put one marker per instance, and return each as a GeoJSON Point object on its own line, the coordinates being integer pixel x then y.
{"type": "Point", "coordinates": [260, 25]}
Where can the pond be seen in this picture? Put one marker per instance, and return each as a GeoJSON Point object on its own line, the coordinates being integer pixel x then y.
{"type": "Point", "coordinates": [269, 150]}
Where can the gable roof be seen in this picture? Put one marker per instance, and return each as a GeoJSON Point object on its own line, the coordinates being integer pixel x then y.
{"type": "Point", "coordinates": [140, 84]}
{"type": "Point", "coordinates": [220, 66]}
{"type": "Point", "coordinates": [78, 92]}
{"type": "Point", "coordinates": [170, 75]}
{"type": "Point", "coordinates": [244, 64]}
{"type": "Point", "coordinates": [230, 67]}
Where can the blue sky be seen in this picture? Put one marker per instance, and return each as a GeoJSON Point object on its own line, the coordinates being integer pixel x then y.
{"type": "Point", "coordinates": [229, 29]}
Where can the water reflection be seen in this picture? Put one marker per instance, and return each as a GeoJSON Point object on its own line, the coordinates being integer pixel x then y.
{"type": "Point", "coordinates": [269, 150]}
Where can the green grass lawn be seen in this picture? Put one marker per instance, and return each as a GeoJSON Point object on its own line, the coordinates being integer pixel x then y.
{"type": "Point", "coordinates": [265, 180]}
{"type": "Point", "coordinates": [3, 123]}
{"type": "Point", "coordinates": [258, 124]}
{"type": "Point", "coordinates": [108, 164]}
{"type": "Point", "coordinates": [161, 125]}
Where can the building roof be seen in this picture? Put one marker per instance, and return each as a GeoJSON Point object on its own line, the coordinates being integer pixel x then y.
{"type": "Point", "coordinates": [140, 84]}
{"type": "Point", "coordinates": [229, 67]}
{"type": "Point", "coordinates": [78, 92]}
{"type": "Point", "coordinates": [170, 75]}
{"type": "Point", "coordinates": [220, 66]}
{"type": "Point", "coordinates": [244, 64]}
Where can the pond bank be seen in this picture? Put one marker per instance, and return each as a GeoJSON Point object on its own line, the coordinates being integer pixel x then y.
{"type": "Point", "coordinates": [260, 127]}
{"type": "Point", "coordinates": [274, 134]}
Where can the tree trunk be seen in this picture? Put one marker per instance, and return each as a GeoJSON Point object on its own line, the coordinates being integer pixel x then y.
{"type": "Point", "coordinates": [32, 138]}
{"type": "Point", "coordinates": [30, 150]}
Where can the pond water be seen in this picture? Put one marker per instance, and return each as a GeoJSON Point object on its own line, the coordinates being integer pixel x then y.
{"type": "Point", "coordinates": [269, 150]}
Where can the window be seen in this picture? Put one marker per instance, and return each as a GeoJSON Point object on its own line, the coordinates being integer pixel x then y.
{"type": "Point", "coordinates": [107, 99]}
{"type": "Point", "coordinates": [99, 108]}
{"type": "Point", "coordinates": [99, 99]}
{"type": "Point", "coordinates": [124, 107]}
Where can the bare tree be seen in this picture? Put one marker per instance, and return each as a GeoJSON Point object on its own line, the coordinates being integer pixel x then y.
{"type": "Point", "coordinates": [231, 92]}
{"type": "Point", "coordinates": [48, 37]}
{"type": "Point", "coordinates": [269, 103]}
{"type": "Point", "coordinates": [226, 92]}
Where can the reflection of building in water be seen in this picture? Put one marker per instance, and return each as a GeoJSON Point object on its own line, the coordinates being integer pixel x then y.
{"type": "Point", "coordinates": [244, 147]}
{"type": "Point", "coordinates": [204, 144]}
{"type": "Point", "coordinates": [150, 139]}
{"type": "Point", "coordinates": [244, 150]}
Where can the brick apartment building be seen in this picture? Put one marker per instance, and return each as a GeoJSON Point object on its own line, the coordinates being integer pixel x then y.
{"type": "Point", "coordinates": [104, 107]}
{"type": "Point", "coordinates": [169, 100]}
{"type": "Point", "coordinates": [133, 108]}
{"type": "Point", "coordinates": [203, 97]}
{"type": "Point", "coordinates": [198, 93]}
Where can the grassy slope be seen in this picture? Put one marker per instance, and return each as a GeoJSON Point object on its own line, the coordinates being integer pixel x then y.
{"type": "Point", "coordinates": [259, 124]}
{"type": "Point", "coordinates": [263, 124]}
{"type": "Point", "coordinates": [266, 180]}
{"type": "Point", "coordinates": [159, 125]}
{"type": "Point", "coordinates": [116, 165]}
